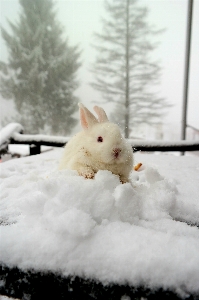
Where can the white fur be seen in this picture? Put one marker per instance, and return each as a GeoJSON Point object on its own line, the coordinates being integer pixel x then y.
{"type": "Point", "coordinates": [86, 155]}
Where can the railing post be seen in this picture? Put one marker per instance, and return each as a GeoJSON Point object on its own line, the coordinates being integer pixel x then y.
{"type": "Point", "coordinates": [35, 149]}
{"type": "Point", "coordinates": [187, 68]}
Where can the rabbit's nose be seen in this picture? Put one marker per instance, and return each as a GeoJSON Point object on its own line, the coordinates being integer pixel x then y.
{"type": "Point", "coordinates": [116, 152]}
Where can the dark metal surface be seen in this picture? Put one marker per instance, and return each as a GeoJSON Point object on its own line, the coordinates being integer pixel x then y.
{"type": "Point", "coordinates": [32, 285]}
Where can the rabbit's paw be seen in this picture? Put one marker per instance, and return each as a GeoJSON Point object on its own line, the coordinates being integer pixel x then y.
{"type": "Point", "coordinates": [123, 179]}
{"type": "Point", "coordinates": [87, 173]}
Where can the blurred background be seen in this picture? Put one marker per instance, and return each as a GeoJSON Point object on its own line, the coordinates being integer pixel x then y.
{"type": "Point", "coordinates": [127, 56]}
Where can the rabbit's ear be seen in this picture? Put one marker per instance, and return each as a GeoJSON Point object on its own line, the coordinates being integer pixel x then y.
{"type": "Point", "coordinates": [102, 117]}
{"type": "Point", "coordinates": [87, 119]}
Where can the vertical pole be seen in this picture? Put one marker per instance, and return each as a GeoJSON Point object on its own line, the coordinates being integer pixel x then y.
{"type": "Point", "coordinates": [126, 129]}
{"type": "Point", "coordinates": [35, 149]}
{"type": "Point", "coordinates": [187, 67]}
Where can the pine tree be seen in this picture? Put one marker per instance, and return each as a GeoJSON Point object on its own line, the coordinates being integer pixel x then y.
{"type": "Point", "coordinates": [40, 74]}
{"type": "Point", "coordinates": [124, 71]}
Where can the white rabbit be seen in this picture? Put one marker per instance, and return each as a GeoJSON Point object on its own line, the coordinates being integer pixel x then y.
{"type": "Point", "coordinates": [100, 146]}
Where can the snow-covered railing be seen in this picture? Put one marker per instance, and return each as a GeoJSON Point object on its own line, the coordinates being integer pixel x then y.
{"type": "Point", "coordinates": [38, 140]}
{"type": "Point", "coordinates": [164, 146]}
{"type": "Point", "coordinates": [12, 134]}
{"type": "Point", "coordinates": [137, 145]}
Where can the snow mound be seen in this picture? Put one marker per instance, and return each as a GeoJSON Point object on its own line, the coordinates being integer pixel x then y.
{"type": "Point", "coordinates": [66, 202]}
{"type": "Point", "coordinates": [101, 229]}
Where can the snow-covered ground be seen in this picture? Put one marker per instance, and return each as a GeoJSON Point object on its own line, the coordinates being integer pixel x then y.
{"type": "Point", "coordinates": [135, 233]}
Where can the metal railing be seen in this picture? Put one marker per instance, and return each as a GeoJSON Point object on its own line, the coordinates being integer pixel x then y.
{"type": "Point", "coordinates": [13, 134]}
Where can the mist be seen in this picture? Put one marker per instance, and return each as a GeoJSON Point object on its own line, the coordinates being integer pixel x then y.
{"type": "Point", "coordinates": [80, 19]}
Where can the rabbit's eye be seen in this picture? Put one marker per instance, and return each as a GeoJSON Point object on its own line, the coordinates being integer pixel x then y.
{"type": "Point", "coordinates": [100, 139]}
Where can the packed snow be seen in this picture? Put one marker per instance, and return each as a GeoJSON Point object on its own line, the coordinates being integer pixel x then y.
{"type": "Point", "coordinates": [24, 150]}
{"type": "Point", "coordinates": [139, 233]}
{"type": "Point", "coordinates": [7, 132]}
{"type": "Point", "coordinates": [7, 298]}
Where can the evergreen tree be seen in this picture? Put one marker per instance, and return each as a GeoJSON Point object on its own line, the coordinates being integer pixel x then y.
{"type": "Point", "coordinates": [124, 70]}
{"type": "Point", "coordinates": [40, 74]}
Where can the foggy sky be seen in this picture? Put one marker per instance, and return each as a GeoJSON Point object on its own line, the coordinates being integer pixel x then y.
{"type": "Point", "coordinates": [80, 18]}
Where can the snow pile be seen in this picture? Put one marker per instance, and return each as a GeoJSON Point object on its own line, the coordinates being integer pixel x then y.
{"type": "Point", "coordinates": [8, 131]}
{"type": "Point", "coordinates": [31, 138]}
{"type": "Point", "coordinates": [123, 233]}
